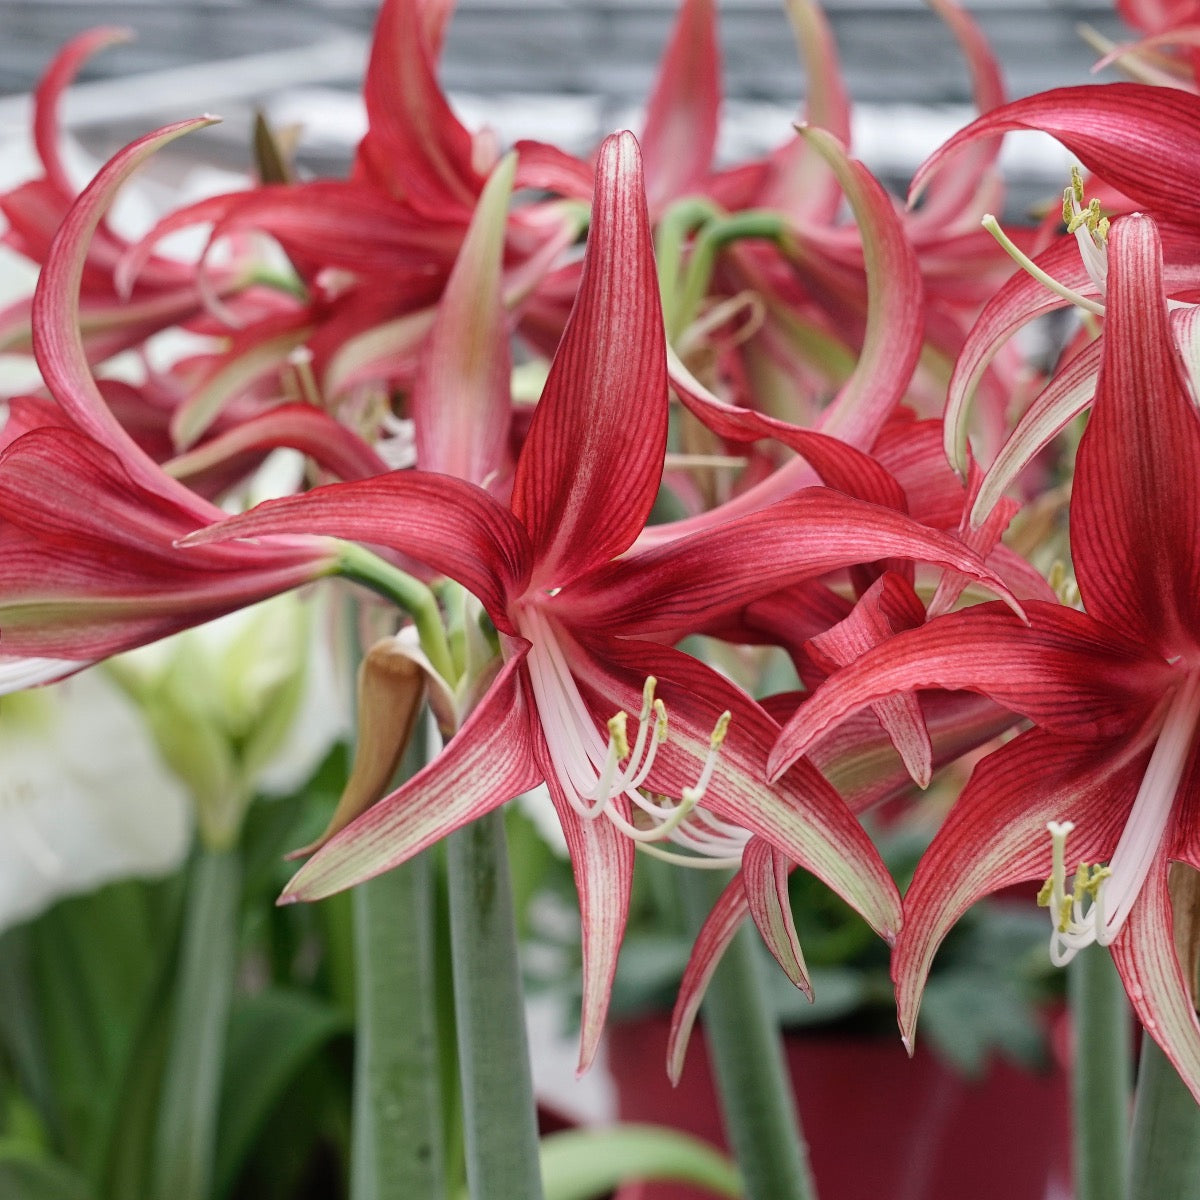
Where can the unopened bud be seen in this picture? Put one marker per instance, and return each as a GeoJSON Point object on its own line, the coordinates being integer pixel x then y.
{"type": "Point", "coordinates": [391, 687]}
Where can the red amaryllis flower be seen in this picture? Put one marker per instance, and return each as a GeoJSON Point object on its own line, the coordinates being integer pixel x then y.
{"type": "Point", "coordinates": [88, 521]}
{"type": "Point", "coordinates": [579, 620]}
{"type": "Point", "coordinates": [1134, 138]}
{"type": "Point", "coordinates": [166, 292]}
{"type": "Point", "coordinates": [1114, 694]}
{"type": "Point", "coordinates": [372, 252]}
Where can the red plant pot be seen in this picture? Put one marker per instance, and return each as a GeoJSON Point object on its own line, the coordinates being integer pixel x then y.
{"type": "Point", "coordinates": [879, 1126]}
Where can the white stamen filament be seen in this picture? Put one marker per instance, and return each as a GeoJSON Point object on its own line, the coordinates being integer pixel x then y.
{"type": "Point", "coordinates": [1090, 228]}
{"type": "Point", "coordinates": [590, 771]}
{"type": "Point", "coordinates": [1113, 890]}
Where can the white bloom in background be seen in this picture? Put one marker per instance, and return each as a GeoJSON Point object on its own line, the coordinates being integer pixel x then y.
{"type": "Point", "coordinates": [84, 796]}
{"type": "Point", "coordinates": [244, 704]}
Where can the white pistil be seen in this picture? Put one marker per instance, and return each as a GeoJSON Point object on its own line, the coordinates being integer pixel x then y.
{"type": "Point", "coordinates": [1102, 898]}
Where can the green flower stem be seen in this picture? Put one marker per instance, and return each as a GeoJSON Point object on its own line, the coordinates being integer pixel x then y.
{"type": "Point", "coordinates": [499, 1116]}
{"type": "Point", "coordinates": [398, 1148]}
{"type": "Point", "coordinates": [410, 594]}
{"type": "Point", "coordinates": [676, 226]}
{"type": "Point", "coordinates": [713, 238]}
{"type": "Point", "coordinates": [747, 1055]}
{"type": "Point", "coordinates": [185, 1139]}
{"type": "Point", "coordinates": [1101, 1076]}
{"type": "Point", "coordinates": [1166, 1132]}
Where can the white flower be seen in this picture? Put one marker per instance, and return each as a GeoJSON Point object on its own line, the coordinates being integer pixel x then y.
{"type": "Point", "coordinates": [84, 796]}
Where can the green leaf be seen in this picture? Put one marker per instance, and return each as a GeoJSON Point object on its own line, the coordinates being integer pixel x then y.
{"type": "Point", "coordinates": [185, 1140]}
{"type": "Point", "coordinates": [35, 1179]}
{"type": "Point", "coordinates": [271, 1037]}
{"type": "Point", "coordinates": [966, 1016]}
{"type": "Point", "coordinates": [587, 1164]}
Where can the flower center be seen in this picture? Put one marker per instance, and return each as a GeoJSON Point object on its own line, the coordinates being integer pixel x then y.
{"type": "Point", "coordinates": [595, 772]}
{"type": "Point", "coordinates": [1101, 898]}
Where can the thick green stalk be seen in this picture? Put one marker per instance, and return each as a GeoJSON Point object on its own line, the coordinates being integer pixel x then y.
{"type": "Point", "coordinates": [1102, 1076]}
{"type": "Point", "coordinates": [499, 1116]}
{"type": "Point", "coordinates": [408, 593]}
{"type": "Point", "coordinates": [185, 1139]}
{"type": "Point", "coordinates": [757, 1103]}
{"type": "Point", "coordinates": [713, 238]}
{"type": "Point", "coordinates": [397, 1150]}
{"type": "Point", "coordinates": [1165, 1155]}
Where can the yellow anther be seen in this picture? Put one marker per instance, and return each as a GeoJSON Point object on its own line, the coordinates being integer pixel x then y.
{"type": "Point", "coordinates": [648, 696]}
{"type": "Point", "coordinates": [660, 721]}
{"type": "Point", "coordinates": [1063, 584]}
{"type": "Point", "coordinates": [1078, 215]}
{"type": "Point", "coordinates": [720, 729]}
{"type": "Point", "coordinates": [617, 734]}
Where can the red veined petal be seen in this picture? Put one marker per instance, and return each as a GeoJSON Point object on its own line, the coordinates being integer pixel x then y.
{"type": "Point", "coordinates": [57, 342]}
{"type": "Point", "coordinates": [450, 525]}
{"type": "Point", "coordinates": [1063, 398]}
{"type": "Point", "coordinates": [488, 761]}
{"type": "Point", "coordinates": [695, 580]}
{"type": "Point", "coordinates": [1019, 301]}
{"type": "Point", "coordinates": [602, 862]}
{"type": "Point", "coordinates": [1135, 137]}
{"type": "Point", "coordinates": [765, 877]}
{"type": "Point", "coordinates": [1135, 519]}
{"type": "Point", "coordinates": [799, 180]}
{"type": "Point", "coordinates": [590, 467]}
{"type": "Point", "coordinates": [714, 937]}
{"type": "Point", "coordinates": [895, 304]}
{"type": "Point", "coordinates": [951, 194]}
{"type": "Point", "coordinates": [461, 401]}
{"type": "Point", "coordinates": [67, 62]}
{"type": "Point", "coordinates": [838, 464]}
{"type": "Point", "coordinates": [90, 569]}
{"type": "Point", "coordinates": [680, 134]}
{"type": "Point", "coordinates": [995, 835]}
{"type": "Point", "coordinates": [1064, 671]}
{"type": "Point", "coordinates": [415, 146]}
{"type": "Point", "coordinates": [1148, 962]}
{"type": "Point", "coordinates": [887, 607]}
{"type": "Point", "coordinates": [328, 442]}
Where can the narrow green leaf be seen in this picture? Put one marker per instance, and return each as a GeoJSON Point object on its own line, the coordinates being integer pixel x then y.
{"type": "Point", "coordinates": [588, 1164]}
{"type": "Point", "coordinates": [33, 1179]}
{"type": "Point", "coordinates": [185, 1143]}
{"type": "Point", "coordinates": [271, 1037]}
{"type": "Point", "coordinates": [498, 1108]}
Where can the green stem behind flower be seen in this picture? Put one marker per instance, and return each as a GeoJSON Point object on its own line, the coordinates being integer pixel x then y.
{"type": "Point", "coordinates": [1101, 1076]}
{"type": "Point", "coordinates": [1165, 1156]}
{"type": "Point", "coordinates": [498, 1108]}
{"type": "Point", "coordinates": [410, 594]}
{"type": "Point", "coordinates": [185, 1140]}
{"type": "Point", "coordinates": [761, 1122]}
{"type": "Point", "coordinates": [397, 1150]}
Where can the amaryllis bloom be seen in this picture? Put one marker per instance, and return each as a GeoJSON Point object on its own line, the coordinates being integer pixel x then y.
{"type": "Point", "coordinates": [770, 296]}
{"type": "Point", "coordinates": [638, 742]}
{"type": "Point", "coordinates": [166, 293]}
{"type": "Point", "coordinates": [1135, 140]}
{"type": "Point", "coordinates": [1100, 797]}
{"type": "Point", "coordinates": [88, 522]}
{"type": "Point", "coordinates": [1169, 54]}
{"type": "Point", "coordinates": [372, 252]}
